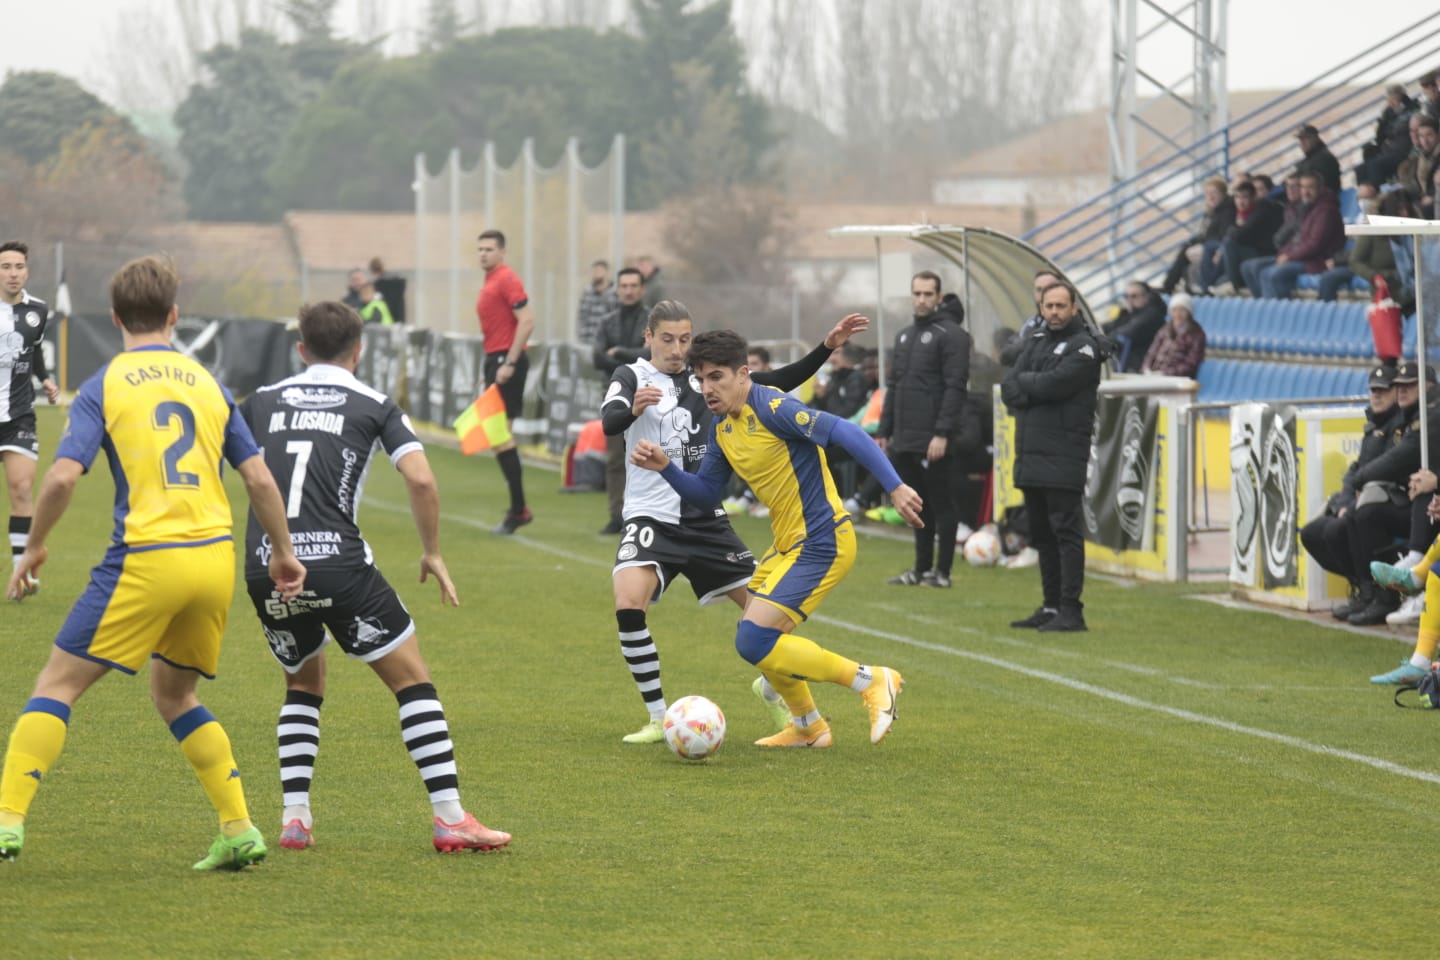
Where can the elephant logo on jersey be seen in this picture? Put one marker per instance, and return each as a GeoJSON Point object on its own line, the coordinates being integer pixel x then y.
{"type": "Point", "coordinates": [682, 424]}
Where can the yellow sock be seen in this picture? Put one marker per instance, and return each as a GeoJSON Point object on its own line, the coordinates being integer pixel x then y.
{"type": "Point", "coordinates": [803, 659]}
{"type": "Point", "coordinates": [1432, 556]}
{"type": "Point", "coordinates": [795, 693]}
{"type": "Point", "coordinates": [35, 745]}
{"type": "Point", "coordinates": [1428, 636]}
{"type": "Point", "coordinates": [205, 745]}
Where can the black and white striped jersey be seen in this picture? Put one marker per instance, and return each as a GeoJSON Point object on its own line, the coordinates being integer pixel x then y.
{"type": "Point", "coordinates": [22, 329]}
{"type": "Point", "coordinates": [679, 424]}
{"type": "Point", "coordinates": [318, 431]}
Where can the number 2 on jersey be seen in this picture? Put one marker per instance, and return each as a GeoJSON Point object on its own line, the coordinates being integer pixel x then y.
{"type": "Point", "coordinates": [165, 414]}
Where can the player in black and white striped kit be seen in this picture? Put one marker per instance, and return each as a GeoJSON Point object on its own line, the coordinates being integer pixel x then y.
{"type": "Point", "coordinates": [22, 361]}
{"type": "Point", "coordinates": [661, 536]}
{"type": "Point", "coordinates": [318, 431]}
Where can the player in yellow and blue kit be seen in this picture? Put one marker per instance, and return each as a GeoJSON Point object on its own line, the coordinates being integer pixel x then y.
{"type": "Point", "coordinates": [163, 590]}
{"type": "Point", "coordinates": [774, 443]}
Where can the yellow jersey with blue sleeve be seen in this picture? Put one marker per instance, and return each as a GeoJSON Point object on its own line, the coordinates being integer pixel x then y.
{"type": "Point", "coordinates": [164, 423]}
{"type": "Point", "coordinates": [774, 444]}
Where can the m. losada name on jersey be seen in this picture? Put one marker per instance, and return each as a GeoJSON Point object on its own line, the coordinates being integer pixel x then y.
{"type": "Point", "coordinates": [322, 420]}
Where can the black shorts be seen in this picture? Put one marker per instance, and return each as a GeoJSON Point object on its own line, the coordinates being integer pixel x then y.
{"type": "Point", "coordinates": [710, 555]}
{"type": "Point", "coordinates": [512, 391]}
{"type": "Point", "coordinates": [19, 435]}
{"type": "Point", "coordinates": [361, 610]}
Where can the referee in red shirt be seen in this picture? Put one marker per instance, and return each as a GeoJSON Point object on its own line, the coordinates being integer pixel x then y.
{"type": "Point", "coordinates": [506, 324]}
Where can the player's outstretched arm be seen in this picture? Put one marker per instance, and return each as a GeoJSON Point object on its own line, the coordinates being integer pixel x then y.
{"type": "Point", "coordinates": [867, 453]}
{"type": "Point", "coordinates": [287, 571]}
{"type": "Point", "coordinates": [55, 492]}
{"type": "Point", "coordinates": [425, 508]}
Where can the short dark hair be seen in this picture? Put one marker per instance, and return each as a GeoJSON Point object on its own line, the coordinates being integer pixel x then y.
{"type": "Point", "coordinates": [1263, 182]}
{"type": "Point", "coordinates": [630, 272]}
{"type": "Point", "coordinates": [600, 263]}
{"type": "Point", "coordinates": [1312, 175]}
{"type": "Point", "coordinates": [928, 275]}
{"type": "Point", "coordinates": [1045, 272]}
{"type": "Point", "coordinates": [1429, 78]}
{"type": "Point", "coordinates": [721, 348]}
{"type": "Point", "coordinates": [329, 329]}
{"type": "Point", "coordinates": [762, 352]}
{"type": "Point", "coordinates": [18, 246]}
{"type": "Point", "coordinates": [1245, 187]}
{"type": "Point", "coordinates": [1428, 121]}
{"type": "Point", "coordinates": [667, 311]}
{"type": "Point", "coordinates": [377, 265]}
{"type": "Point", "coordinates": [493, 234]}
{"type": "Point", "coordinates": [1063, 285]}
{"type": "Point", "coordinates": [142, 293]}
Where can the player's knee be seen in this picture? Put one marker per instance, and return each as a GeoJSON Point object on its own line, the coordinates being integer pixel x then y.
{"type": "Point", "coordinates": [754, 642]}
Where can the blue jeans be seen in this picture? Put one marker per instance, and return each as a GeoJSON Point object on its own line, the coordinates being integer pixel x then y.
{"type": "Point", "coordinates": [1210, 271]}
{"type": "Point", "coordinates": [1250, 270]}
{"type": "Point", "coordinates": [1277, 281]}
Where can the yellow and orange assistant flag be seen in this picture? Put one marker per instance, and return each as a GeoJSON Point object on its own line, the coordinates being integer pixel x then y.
{"type": "Point", "coordinates": [483, 424]}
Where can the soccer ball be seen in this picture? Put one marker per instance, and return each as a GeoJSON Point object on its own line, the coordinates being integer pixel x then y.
{"type": "Point", "coordinates": [982, 549]}
{"type": "Point", "coordinates": [694, 728]}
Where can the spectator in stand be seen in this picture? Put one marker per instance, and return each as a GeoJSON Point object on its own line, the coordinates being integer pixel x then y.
{"type": "Point", "coordinates": [1219, 215]}
{"type": "Point", "coordinates": [1391, 143]}
{"type": "Point", "coordinates": [1328, 538]}
{"type": "Point", "coordinates": [1264, 186]}
{"type": "Point", "coordinates": [596, 303]}
{"type": "Point", "coordinates": [1382, 507]}
{"type": "Point", "coordinates": [1430, 93]}
{"type": "Point", "coordinates": [1321, 236]}
{"type": "Point", "coordinates": [1135, 327]}
{"type": "Point", "coordinates": [1179, 347]}
{"type": "Point", "coordinates": [1318, 158]}
{"type": "Point", "coordinates": [1010, 351]}
{"type": "Point", "coordinates": [654, 287]}
{"type": "Point", "coordinates": [1257, 220]}
{"type": "Point", "coordinates": [1416, 170]}
{"type": "Point", "coordinates": [1292, 213]}
{"type": "Point", "coordinates": [1371, 256]}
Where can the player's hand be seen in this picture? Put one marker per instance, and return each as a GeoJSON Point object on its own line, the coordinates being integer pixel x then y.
{"type": "Point", "coordinates": [433, 565]}
{"type": "Point", "coordinates": [649, 455]}
{"type": "Point", "coordinates": [1432, 510]}
{"type": "Point", "coordinates": [645, 397]}
{"type": "Point", "coordinates": [288, 574]}
{"type": "Point", "coordinates": [503, 375]}
{"type": "Point", "coordinates": [27, 566]}
{"type": "Point", "coordinates": [848, 327]}
{"type": "Point", "coordinates": [52, 390]}
{"type": "Point", "coordinates": [936, 450]}
{"type": "Point", "coordinates": [904, 499]}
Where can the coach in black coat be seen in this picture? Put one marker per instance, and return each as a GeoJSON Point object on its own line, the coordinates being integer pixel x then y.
{"type": "Point", "coordinates": [1052, 391]}
{"type": "Point", "coordinates": [925, 398]}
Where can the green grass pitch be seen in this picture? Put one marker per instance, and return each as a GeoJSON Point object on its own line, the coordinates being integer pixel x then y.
{"type": "Point", "coordinates": [1182, 781]}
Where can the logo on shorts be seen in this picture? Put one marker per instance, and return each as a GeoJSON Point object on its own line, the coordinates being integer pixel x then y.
{"type": "Point", "coordinates": [282, 643]}
{"type": "Point", "coordinates": [367, 632]}
{"type": "Point", "coordinates": [627, 552]}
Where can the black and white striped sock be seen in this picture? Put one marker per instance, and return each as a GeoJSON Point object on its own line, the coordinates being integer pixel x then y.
{"type": "Point", "coordinates": [298, 733]}
{"type": "Point", "coordinates": [19, 536]}
{"type": "Point", "coordinates": [427, 737]}
{"type": "Point", "coordinates": [643, 659]}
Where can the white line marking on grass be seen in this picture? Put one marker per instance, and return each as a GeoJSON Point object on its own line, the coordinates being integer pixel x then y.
{"type": "Point", "coordinates": [1077, 685]}
{"type": "Point", "coordinates": [1129, 701]}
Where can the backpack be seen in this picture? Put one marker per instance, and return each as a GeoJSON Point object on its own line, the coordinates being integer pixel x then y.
{"type": "Point", "coordinates": [1427, 691]}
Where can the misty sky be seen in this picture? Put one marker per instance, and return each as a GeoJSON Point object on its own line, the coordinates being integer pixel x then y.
{"type": "Point", "coordinates": [1273, 43]}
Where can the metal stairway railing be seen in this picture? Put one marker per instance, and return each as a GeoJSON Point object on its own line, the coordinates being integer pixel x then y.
{"type": "Point", "coordinates": [1134, 229]}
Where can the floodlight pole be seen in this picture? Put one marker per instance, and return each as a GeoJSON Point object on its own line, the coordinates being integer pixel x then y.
{"type": "Point", "coordinates": [880, 313]}
{"type": "Point", "coordinates": [1421, 358]}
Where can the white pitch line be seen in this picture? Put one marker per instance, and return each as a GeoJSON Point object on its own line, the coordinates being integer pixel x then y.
{"type": "Point", "coordinates": [1129, 701]}
{"type": "Point", "coordinates": [1081, 686]}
